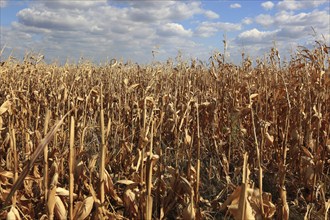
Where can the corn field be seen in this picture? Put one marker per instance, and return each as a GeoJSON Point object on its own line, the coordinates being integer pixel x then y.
{"type": "Point", "coordinates": [174, 140]}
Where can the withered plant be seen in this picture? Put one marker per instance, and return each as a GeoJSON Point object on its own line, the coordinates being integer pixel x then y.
{"type": "Point", "coordinates": [184, 140]}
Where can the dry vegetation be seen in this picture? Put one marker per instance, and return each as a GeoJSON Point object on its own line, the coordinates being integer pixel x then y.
{"type": "Point", "coordinates": [166, 141]}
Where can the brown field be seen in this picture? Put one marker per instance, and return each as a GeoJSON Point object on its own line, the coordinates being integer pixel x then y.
{"type": "Point", "coordinates": [175, 140]}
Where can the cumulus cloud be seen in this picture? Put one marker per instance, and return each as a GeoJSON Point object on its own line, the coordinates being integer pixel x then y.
{"type": "Point", "coordinates": [99, 29]}
{"type": "Point", "coordinates": [148, 11]}
{"type": "Point", "coordinates": [166, 12]}
{"type": "Point", "coordinates": [131, 29]}
{"type": "Point", "coordinates": [264, 20]}
{"type": "Point", "coordinates": [62, 4]}
{"type": "Point", "coordinates": [3, 3]}
{"type": "Point", "coordinates": [287, 27]}
{"type": "Point", "coordinates": [319, 19]}
{"type": "Point", "coordinates": [211, 14]}
{"type": "Point", "coordinates": [235, 5]}
{"type": "Point", "coordinates": [289, 5]}
{"type": "Point", "coordinates": [296, 32]}
{"type": "Point", "coordinates": [208, 29]}
{"type": "Point", "coordinates": [267, 5]}
{"type": "Point", "coordinates": [292, 5]}
{"type": "Point", "coordinates": [51, 19]}
{"type": "Point", "coordinates": [255, 36]}
{"type": "Point", "coordinates": [174, 29]}
{"type": "Point", "coordinates": [247, 21]}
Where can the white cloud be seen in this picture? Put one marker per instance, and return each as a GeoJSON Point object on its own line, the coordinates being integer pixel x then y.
{"type": "Point", "coordinates": [264, 20]}
{"type": "Point", "coordinates": [208, 29]}
{"type": "Point", "coordinates": [99, 29]}
{"type": "Point", "coordinates": [287, 27]}
{"type": "Point", "coordinates": [84, 4]}
{"type": "Point", "coordinates": [211, 14]}
{"type": "Point", "coordinates": [292, 32]}
{"type": "Point", "coordinates": [247, 21]}
{"type": "Point", "coordinates": [235, 5]}
{"type": "Point", "coordinates": [317, 19]}
{"type": "Point", "coordinates": [267, 5]}
{"type": "Point", "coordinates": [292, 5]}
{"type": "Point", "coordinates": [131, 29]}
{"type": "Point", "coordinates": [289, 5]}
{"type": "Point", "coordinates": [52, 20]}
{"type": "Point", "coordinates": [159, 10]}
{"type": "Point", "coordinates": [174, 29]}
{"type": "Point", "coordinates": [3, 3]}
{"type": "Point", "coordinates": [256, 36]}
{"type": "Point", "coordinates": [303, 21]}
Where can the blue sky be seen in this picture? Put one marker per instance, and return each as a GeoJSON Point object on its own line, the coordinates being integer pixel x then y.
{"type": "Point", "coordinates": [130, 30]}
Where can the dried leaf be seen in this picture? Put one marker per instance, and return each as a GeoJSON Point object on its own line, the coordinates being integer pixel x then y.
{"type": "Point", "coordinates": [60, 211]}
{"type": "Point", "coordinates": [5, 107]}
{"type": "Point", "coordinates": [80, 98]}
{"type": "Point", "coordinates": [6, 174]}
{"type": "Point", "coordinates": [252, 210]}
{"type": "Point", "coordinates": [187, 139]}
{"type": "Point", "coordinates": [1, 124]}
{"type": "Point", "coordinates": [13, 214]}
{"type": "Point", "coordinates": [125, 182]}
{"type": "Point", "coordinates": [132, 87]}
{"type": "Point", "coordinates": [64, 192]}
{"type": "Point", "coordinates": [189, 212]}
{"type": "Point", "coordinates": [130, 202]}
{"type": "Point", "coordinates": [253, 96]}
{"type": "Point", "coordinates": [109, 187]}
{"type": "Point", "coordinates": [51, 202]}
{"type": "Point", "coordinates": [85, 208]}
{"type": "Point", "coordinates": [269, 138]}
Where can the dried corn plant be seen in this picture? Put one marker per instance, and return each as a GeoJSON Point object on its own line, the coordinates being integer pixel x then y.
{"type": "Point", "coordinates": [181, 139]}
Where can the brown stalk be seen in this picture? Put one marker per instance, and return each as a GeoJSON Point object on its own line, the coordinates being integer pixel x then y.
{"type": "Point", "coordinates": [149, 167]}
{"type": "Point", "coordinates": [37, 118]}
{"type": "Point", "coordinates": [102, 151]}
{"type": "Point", "coordinates": [198, 157]}
{"type": "Point", "coordinates": [71, 167]}
{"type": "Point", "coordinates": [243, 195]}
{"type": "Point", "coordinates": [47, 118]}
{"type": "Point", "coordinates": [143, 138]}
{"type": "Point", "coordinates": [258, 153]}
{"type": "Point", "coordinates": [14, 152]}
{"type": "Point", "coordinates": [285, 207]}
